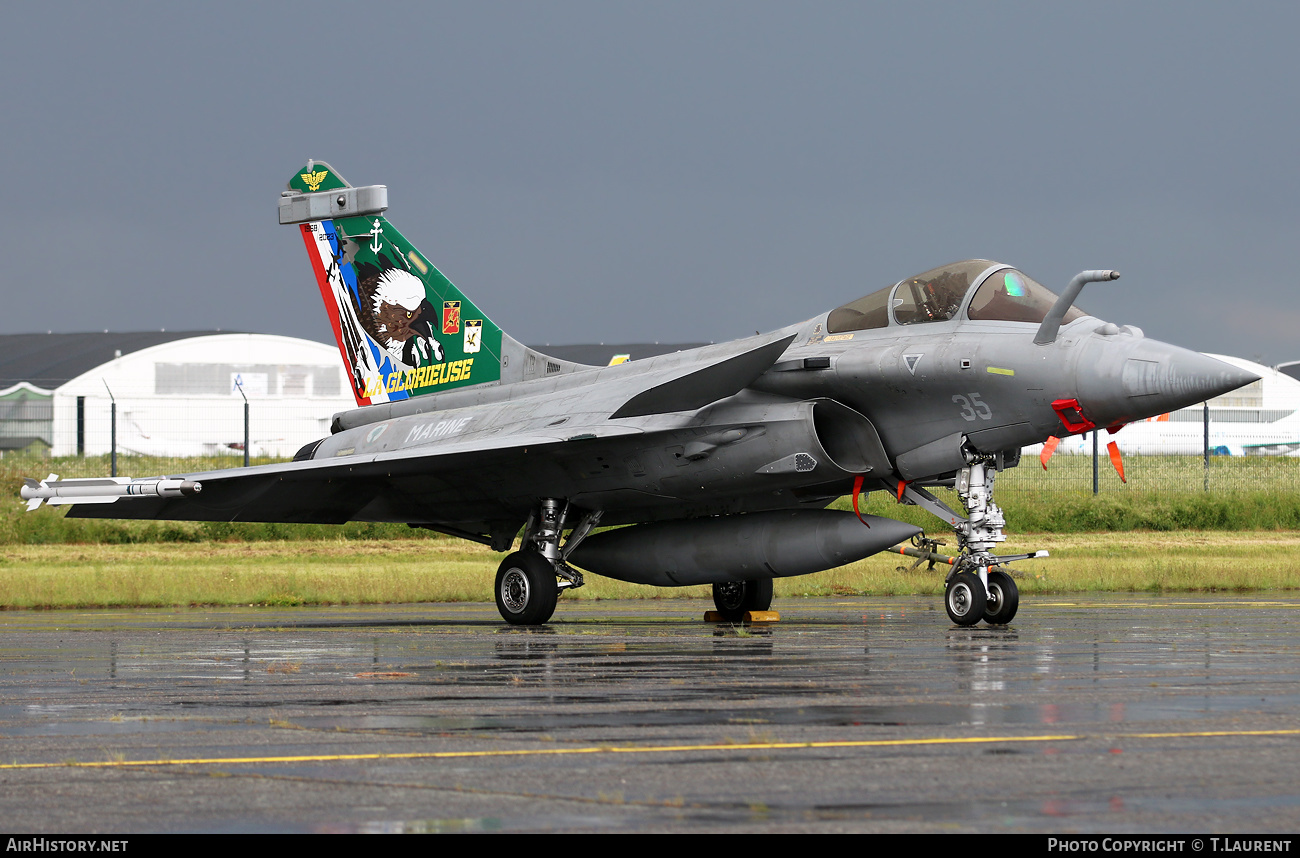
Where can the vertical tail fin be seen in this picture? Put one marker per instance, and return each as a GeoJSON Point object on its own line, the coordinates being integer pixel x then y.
{"type": "Point", "coordinates": [402, 327]}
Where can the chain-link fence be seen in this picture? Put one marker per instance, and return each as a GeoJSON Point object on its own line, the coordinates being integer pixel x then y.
{"type": "Point", "coordinates": [99, 436]}
{"type": "Point", "coordinates": [1148, 472]}
{"type": "Point", "coordinates": [148, 436]}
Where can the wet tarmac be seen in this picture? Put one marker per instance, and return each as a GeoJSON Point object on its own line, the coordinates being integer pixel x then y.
{"type": "Point", "coordinates": [1091, 714]}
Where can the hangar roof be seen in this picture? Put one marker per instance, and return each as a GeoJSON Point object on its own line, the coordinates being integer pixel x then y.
{"type": "Point", "coordinates": [50, 360]}
{"type": "Point", "coordinates": [599, 355]}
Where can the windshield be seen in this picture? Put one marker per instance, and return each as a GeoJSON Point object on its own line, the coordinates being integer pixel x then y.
{"type": "Point", "coordinates": [1010, 296]}
{"type": "Point", "coordinates": [862, 314]}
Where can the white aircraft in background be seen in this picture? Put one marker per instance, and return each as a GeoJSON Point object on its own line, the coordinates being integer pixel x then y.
{"type": "Point", "coordinates": [1161, 436]}
{"type": "Point", "coordinates": [1261, 419]}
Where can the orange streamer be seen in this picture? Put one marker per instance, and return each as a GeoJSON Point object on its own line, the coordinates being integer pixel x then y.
{"type": "Point", "coordinates": [1049, 447]}
{"type": "Point", "coordinates": [1113, 449]}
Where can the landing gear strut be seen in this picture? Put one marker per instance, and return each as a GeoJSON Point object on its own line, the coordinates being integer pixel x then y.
{"type": "Point", "coordinates": [977, 588]}
{"type": "Point", "coordinates": [529, 581]}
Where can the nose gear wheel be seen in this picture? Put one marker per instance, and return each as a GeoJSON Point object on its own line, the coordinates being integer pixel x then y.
{"type": "Point", "coordinates": [964, 599]}
{"type": "Point", "coordinates": [1003, 599]}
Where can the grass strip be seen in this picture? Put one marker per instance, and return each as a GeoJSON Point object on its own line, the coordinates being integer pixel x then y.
{"type": "Point", "coordinates": [1039, 511]}
{"type": "Point", "coordinates": [321, 572]}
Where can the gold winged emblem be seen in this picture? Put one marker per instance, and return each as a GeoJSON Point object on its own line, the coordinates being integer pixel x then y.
{"type": "Point", "coordinates": [313, 180]}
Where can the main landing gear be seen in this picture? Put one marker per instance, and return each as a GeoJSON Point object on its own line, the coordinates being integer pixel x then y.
{"type": "Point", "coordinates": [529, 580]}
{"type": "Point", "coordinates": [734, 599]}
{"type": "Point", "coordinates": [978, 587]}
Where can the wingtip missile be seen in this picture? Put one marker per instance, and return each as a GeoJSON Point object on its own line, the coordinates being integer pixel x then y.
{"type": "Point", "coordinates": [57, 492]}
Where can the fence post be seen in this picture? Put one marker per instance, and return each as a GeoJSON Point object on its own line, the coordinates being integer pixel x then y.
{"type": "Point", "coordinates": [81, 426]}
{"type": "Point", "coordinates": [239, 385]}
{"type": "Point", "coordinates": [1095, 482]}
{"type": "Point", "coordinates": [112, 429]}
{"type": "Point", "coordinates": [1206, 422]}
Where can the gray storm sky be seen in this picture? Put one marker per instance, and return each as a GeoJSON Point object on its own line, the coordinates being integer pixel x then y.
{"type": "Point", "coordinates": [656, 171]}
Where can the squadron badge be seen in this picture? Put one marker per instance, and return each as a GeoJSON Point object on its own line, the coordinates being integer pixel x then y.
{"type": "Point", "coordinates": [473, 335]}
{"type": "Point", "coordinates": [451, 317]}
{"type": "Point", "coordinates": [314, 178]}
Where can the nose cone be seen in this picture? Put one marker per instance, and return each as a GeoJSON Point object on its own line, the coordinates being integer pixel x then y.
{"type": "Point", "coordinates": [1178, 378]}
{"type": "Point", "coordinates": [1121, 383]}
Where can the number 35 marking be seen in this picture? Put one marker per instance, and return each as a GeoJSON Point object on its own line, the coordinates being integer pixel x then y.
{"type": "Point", "coordinates": [972, 407]}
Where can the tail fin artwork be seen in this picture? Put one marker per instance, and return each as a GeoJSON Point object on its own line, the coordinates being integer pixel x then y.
{"type": "Point", "coordinates": [402, 327]}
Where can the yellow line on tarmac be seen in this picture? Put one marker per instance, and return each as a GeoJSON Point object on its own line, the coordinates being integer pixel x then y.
{"type": "Point", "coordinates": [1188, 601]}
{"type": "Point", "coordinates": [525, 752]}
{"type": "Point", "coordinates": [1207, 734]}
{"type": "Point", "coordinates": [631, 749]}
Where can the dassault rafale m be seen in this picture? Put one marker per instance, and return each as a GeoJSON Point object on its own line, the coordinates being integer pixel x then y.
{"type": "Point", "coordinates": [720, 460]}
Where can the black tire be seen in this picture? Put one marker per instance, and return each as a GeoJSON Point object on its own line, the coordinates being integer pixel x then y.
{"type": "Point", "coordinates": [1003, 599]}
{"type": "Point", "coordinates": [964, 599]}
{"type": "Point", "coordinates": [525, 589]}
{"type": "Point", "coordinates": [734, 598]}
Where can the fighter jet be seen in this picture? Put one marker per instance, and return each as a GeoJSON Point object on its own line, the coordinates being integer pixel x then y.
{"type": "Point", "coordinates": [719, 462]}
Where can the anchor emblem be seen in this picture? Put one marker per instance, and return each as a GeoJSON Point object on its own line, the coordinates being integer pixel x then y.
{"type": "Point", "coordinates": [376, 231]}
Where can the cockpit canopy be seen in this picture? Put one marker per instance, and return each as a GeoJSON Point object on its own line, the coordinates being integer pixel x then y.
{"type": "Point", "coordinates": [999, 292]}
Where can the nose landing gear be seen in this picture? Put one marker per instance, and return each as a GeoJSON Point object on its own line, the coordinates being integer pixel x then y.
{"type": "Point", "coordinates": [978, 587]}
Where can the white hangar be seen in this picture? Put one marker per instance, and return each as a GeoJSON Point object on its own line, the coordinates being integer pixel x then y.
{"type": "Point", "coordinates": [177, 394]}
